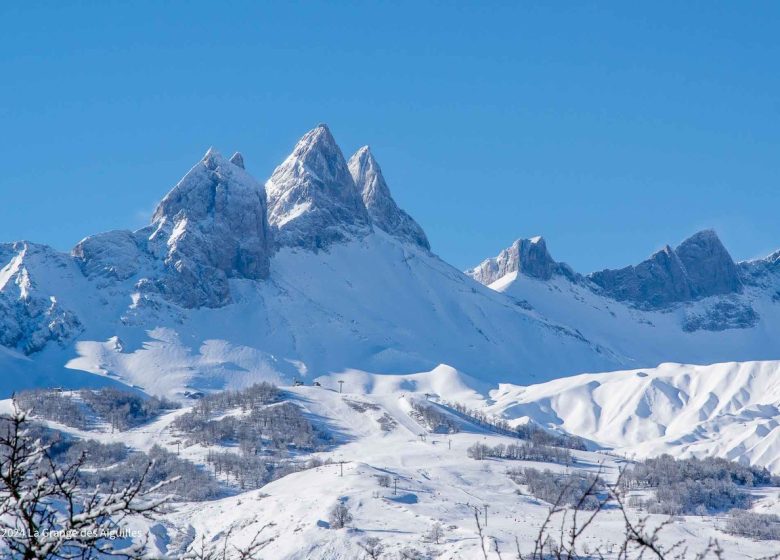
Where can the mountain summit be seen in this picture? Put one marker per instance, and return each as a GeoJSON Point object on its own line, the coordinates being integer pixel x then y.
{"type": "Point", "coordinates": [312, 198]}
{"type": "Point", "coordinates": [383, 210]}
{"type": "Point", "coordinates": [526, 256]}
{"type": "Point", "coordinates": [210, 227]}
{"type": "Point", "coordinates": [699, 267]}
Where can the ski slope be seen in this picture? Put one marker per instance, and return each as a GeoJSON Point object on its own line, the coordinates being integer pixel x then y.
{"type": "Point", "coordinates": [435, 480]}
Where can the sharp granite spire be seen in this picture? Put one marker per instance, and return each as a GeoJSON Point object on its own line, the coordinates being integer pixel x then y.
{"type": "Point", "coordinates": [312, 199]}
{"type": "Point", "coordinates": [383, 210]}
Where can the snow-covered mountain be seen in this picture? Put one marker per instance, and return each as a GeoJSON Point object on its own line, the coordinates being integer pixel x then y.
{"type": "Point", "coordinates": [691, 304]}
{"type": "Point", "coordinates": [318, 275]}
{"type": "Point", "coordinates": [319, 271]}
{"type": "Point", "coordinates": [228, 285]}
{"type": "Point", "coordinates": [383, 210]}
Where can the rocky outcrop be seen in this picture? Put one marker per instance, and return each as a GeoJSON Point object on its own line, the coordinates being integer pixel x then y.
{"type": "Point", "coordinates": [111, 256]}
{"type": "Point", "coordinates": [699, 267]}
{"type": "Point", "coordinates": [384, 212]}
{"type": "Point", "coordinates": [210, 227]}
{"type": "Point", "coordinates": [312, 199]}
{"type": "Point", "coordinates": [30, 314]}
{"type": "Point", "coordinates": [237, 159]}
{"type": "Point", "coordinates": [656, 282]}
{"type": "Point", "coordinates": [526, 256]}
{"type": "Point", "coordinates": [708, 265]}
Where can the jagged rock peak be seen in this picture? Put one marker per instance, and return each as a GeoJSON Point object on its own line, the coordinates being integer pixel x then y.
{"type": "Point", "coordinates": [237, 159]}
{"type": "Point", "coordinates": [312, 198]}
{"type": "Point", "coordinates": [211, 226]}
{"type": "Point", "coordinates": [699, 267]}
{"type": "Point", "coordinates": [709, 266]}
{"type": "Point", "coordinates": [526, 256]}
{"type": "Point", "coordinates": [381, 206]}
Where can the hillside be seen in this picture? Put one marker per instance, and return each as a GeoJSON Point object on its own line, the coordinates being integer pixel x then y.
{"type": "Point", "coordinates": [396, 484]}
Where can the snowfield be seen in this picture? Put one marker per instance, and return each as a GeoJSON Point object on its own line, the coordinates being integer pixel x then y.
{"type": "Point", "coordinates": [435, 482]}
{"type": "Point", "coordinates": [729, 410]}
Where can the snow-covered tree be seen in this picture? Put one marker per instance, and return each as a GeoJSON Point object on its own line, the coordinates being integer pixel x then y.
{"type": "Point", "coordinates": [435, 534]}
{"type": "Point", "coordinates": [339, 516]}
{"type": "Point", "coordinates": [373, 548]}
{"type": "Point", "coordinates": [45, 514]}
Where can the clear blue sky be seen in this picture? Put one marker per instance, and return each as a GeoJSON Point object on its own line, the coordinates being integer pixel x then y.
{"type": "Point", "coordinates": [608, 129]}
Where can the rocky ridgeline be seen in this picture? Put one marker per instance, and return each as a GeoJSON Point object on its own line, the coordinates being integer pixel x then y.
{"type": "Point", "coordinates": [217, 223]}
{"type": "Point", "coordinates": [526, 256]}
{"type": "Point", "coordinates": [698, 268]}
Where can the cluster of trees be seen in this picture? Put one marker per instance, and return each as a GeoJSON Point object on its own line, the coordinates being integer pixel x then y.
{"type": "Point", "coordinates": [576, 489]}
{"type": "Point", "coordinates": [529, 432]}
{"type": "Point", "coordinates": [263, 429]}
{"type": "Point", "coordinates": [249, 398]}
{"type": "Point", "coordinates": [46, 512]}
{"type": "Point", "coordinates": [63, 449]}
{"type": "Point", "coordinates": [437, 421]}
{"type": "Point", "coordinates": [272, 428]}
{"type": "Point", "coordinates": [96, 455]}
{"type": "Point", "coordinates": [759, 526]}
{"type": "Point", "coordinates": [122, 409]}
{"type": "Point", "coordinates": [665, 470]}
{"type": "Point", "coordinates": [53, 405]}
{"type": "Point", "coordinates": [521, 452]}
{"type": "Point", "coordinates": [694, 486]}
{"type": "Point", "coordinates": [190, 482]}
{"type": "Point", "coordinates": [541, 436]}
{"type": "Point", "coordinates": [251, 471]}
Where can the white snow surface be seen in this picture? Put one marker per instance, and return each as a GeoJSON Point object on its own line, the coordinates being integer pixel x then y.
{"type": "Point", "coordinates": [374, 304]}
{"type": "Point", "coordinates": [436, 482]}
{"type": "Point", "coordinates": [651, 337]}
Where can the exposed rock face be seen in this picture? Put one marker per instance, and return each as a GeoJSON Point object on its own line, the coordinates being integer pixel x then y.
{"type": "Point", "coordinates": [384, 212]}
{"type": "Point", "coordinates": [312, 198]}
{"type": "Point", "coordinates": [114, 255]}
{"type": "Point", "coordinates": [237, 159]}
{"type": "Point", "coordinates": [708, 265]}
{"type": "Point", "coordinates": [527, 256]}
{"type": "Point", "coordinates": [658, 281]}
{"type": "Point", "coordinates": [699, 267]}
{"type": "Point", "coordinates": [719, 316]}
{"type": "Point", "coordinates": [30, 316]}
{"type": "Point", "coordinates": [210, 227]}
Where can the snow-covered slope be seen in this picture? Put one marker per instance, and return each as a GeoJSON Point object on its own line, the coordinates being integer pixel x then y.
{"type": "Point", "coordinates": [736, 326]}
{"type": "Point", "coordinates": [373, 304]}
{"type": "Point", "coordinates": [213, 293]}
{"type": "Point", "coordinates": [431, 480]}
{"type": "Point", "coordinates": [730, 410]}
